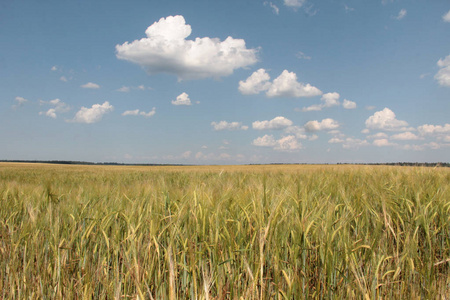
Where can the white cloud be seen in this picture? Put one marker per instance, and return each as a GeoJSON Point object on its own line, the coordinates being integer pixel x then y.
{"type": "Point", "coordinates": [335, 140]}
{"type": "Point", "coordinates": [427, 129]}
{"type": "Point", "coordinates": [54, 68]}
{"type": "Point", "coordinates": [124, 89]}
{"type": "Point", "coordinates": [49, 113]}
{"type": "Point", "coordinates": [385, 120]}
{"type": "Point", "coordinates": [443, 75]}
{"type": "Point", "coordinates": [401, 14]}
{"type": "Point", "coordinates": [299, 132]}
{"type": "Point", "coordinates": [276, 123]}
{"type": "Point", "coordinates": [446, 17]}
{"type": "Point", "coordinates": [382, 143]}
{"type": "Point", "coordinates": [182, 99]}
{"type": "Point", "coordinates": [352, 143]}
{"type": "Point", "coordinates": [93, 114]}
{"type": "Point", "coordinates": [58, 107]}
{"type": "Point", "coordinates": [166, 50]}
{"type": "Point", "coordinates": [347, 104]}
{"type": "Point", "coordinates": [265, 141]}
{"type": "Point", "coordinates": [405, 136]}
{"type": "Point", "coordinates": [302, 55]}
{"type": "Point", "coordinates": [365, 131]}
{"type": "Point", "coordinates": [287, 143]}
{"type": "Point", "coordinates": [20, 100]}
{"type": "Point", "coordinates": [370, 107]}
{"type": "Point", "coordinates": [294, 3]}
{"type": "Point", "coordinates": [275, 8]}
{"type": "Point", "coordinates": [63, 78]}
{"type": "Point", "coordinates": [90, 85]}
{"type": "Point", "coordinates": [137, 112]}
{"type": "Point", "coordinates": [348, 8]}
{"type": "Point", "coordinates": [286, 85]}
{"type": "Point", "coordinates": [256, 83]}
{"type": "Point", "coordinates": [325, 124]}
{"type": "Point", "coordinates": [379, 135]}
{"type": "Point", "coordinates": [328, 100]}
{"type": "Point", "coordinates": [224, 125]}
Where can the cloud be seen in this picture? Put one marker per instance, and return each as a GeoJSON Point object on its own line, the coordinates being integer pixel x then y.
{"type": "Point", "coordinates": [301, 55]}
{"type": "Point", "coordinates": [299, 132]}
{"type": "Point", "coordinates": [20, 100]}
{"type": "Point", "coordinates": [328, 100]}
{"type": "Point", "coordinates": [325, 124]}
{"type": "Point", "coordinates": [166, 50]}
{"type": "Point", "coordinates": [256, 83]}
{"type": "Point", "coordinates": [124, 89]}
{"type": "Point", "coordinates": [405, 136]}
{"type": "Point", "coordinates": [93, 114]}
{"type": "Point", "coordinates": [275, 8]}
{"type": "Point", "coordinates": [443, 75]}
{"type": "Point", "coordinates": [432, 130]}
{"type": "Point", "coordinates": [58, 107]}
{"type": "Point", "coordinates": [54, 68]}
{"type": "Point", "coordinates": [352, 143]}
{"type": "Point", "coordinates": [286, 85]}
{"type": "Point", "coordinates": [63, 78]}
{"type": "Point", "coordinates": [370, 107]}
{"type": "Point", "coordinates": [383, 143]}
{"type": "Point", "coordinates": [446, 17]}
{"type": "Point", "coordinates": [347, 104]}
{"type": "Point", "coordinates": [224, 125]}
{"type": "Point", "coordinates": [90, 85]}
{"type": "Point", "coordinates": [335, 140]}
{"type": "Point", "coordinates": [401, 14]}
{"type": "Point", "coordinates": [287, 143]}
{"type": "Point", "coordinates": [182, 99]}
{"type": "Point", "coordinates": [348, 8]}
{"type": "Point", "coordinates": [276, 123]}
{"type": "Point", "coordinates": [379, 135]}
{"type": "Point", "coordinates": [137, 112]}
{"type": "Point", "coordinates": [385, 120]}
{"type": "Point", "coordinates": [294, 3]}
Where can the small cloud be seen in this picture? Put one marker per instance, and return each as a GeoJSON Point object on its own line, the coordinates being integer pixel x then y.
{"type": "Point", "coordinates": [383, 143]}
{"type": "Point", "coordinates": [328, 100]}
{"type": "Point", "coordinates": [379, 135]}
{"type": "Point", "coordinates": [58, 107]}
{"type": "Point", "coordinates": [365, 131]}
{"type": "Point", "coordinates": [288, 143]}
{"type": "Point", "coordinates": [182, 99]}
{"type": "Point", "coordinates": [124, 89]}
{"type": "Point", "coordinates": [141, 87]}
{"type": "Point", "coordinates": [63, 78]}
{"type": "Point", "coordinates": [348, 8]}
{"type": "Point", "coordinates": [443, 76]}
{"type": "Point", "coordinates": [224, 125]}
{"type": "Point", "coordinates": [347, 104]}
{"type": "Point", "coordinates": [386, 120]}
{"type": "Point", "coordinates": [405, 136]}
{"type": "Point", "coordinates": [275, 8]}
{"type": "Point", "coordinates": [93, 114]}
{"type": "Point", "coordinates": [370, 107]}
{"type": "Point", "coordinates": [294, 3]}
{"type": "Point", "coordinates": [276, 123]}
{"type": "Point", "coordinates": [137, 112]}
{"type": "Point", "coordinates": [256, 83]}
{"type": "Point", "coordinates": [20, 101]}
{"type": "Point", "coordinates": [422, 76]}
{"type": "Point", "coordinates": [401, 14]}
{"type": "Point", "coordinates": [446, 17]}
{"type": "Point", "coordinates": [90, 85]}
{"type": "Point", "coordinates": [325, 124]}
{"type": "Point", "coordinates": [204, 147]}
{"type": "Point", "coordinates": [54, 68]}
{"type": "Point", "coordinates": [301, 55]}
{"type": "Point", "coordinates": [286, 85]}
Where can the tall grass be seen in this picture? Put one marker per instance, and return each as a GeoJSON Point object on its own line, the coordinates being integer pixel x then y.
{"type": "Point", "coordinates": [289, 232]}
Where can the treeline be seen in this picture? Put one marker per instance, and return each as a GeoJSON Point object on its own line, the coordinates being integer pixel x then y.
{"type": "Point", "coordinates": [70, 162]}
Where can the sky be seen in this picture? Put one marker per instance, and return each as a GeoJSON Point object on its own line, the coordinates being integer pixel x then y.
{"type": "Point", "coordinates": [225, 82]}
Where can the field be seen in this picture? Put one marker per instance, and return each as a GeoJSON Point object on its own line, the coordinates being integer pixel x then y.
{"type": "Point", "coordinates": [224, 232]}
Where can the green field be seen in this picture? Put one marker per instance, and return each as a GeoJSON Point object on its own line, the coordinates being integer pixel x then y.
{"type": "Point", "coordinates": [224, 232]}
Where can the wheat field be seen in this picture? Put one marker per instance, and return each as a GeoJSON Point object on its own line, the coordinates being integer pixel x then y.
{"type": "Point", "coordinates": [224, 232]}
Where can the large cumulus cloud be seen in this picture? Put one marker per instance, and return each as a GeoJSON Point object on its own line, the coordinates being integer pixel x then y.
{"type": "Point", "coordinates": [166, 50]}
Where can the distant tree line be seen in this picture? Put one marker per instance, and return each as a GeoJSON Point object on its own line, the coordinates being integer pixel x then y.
{"type": "Point", "coordinates": [70, 162]}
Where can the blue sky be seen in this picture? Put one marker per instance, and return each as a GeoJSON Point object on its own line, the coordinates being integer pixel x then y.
{"type": "Point", "coordinates": [225, 82]}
